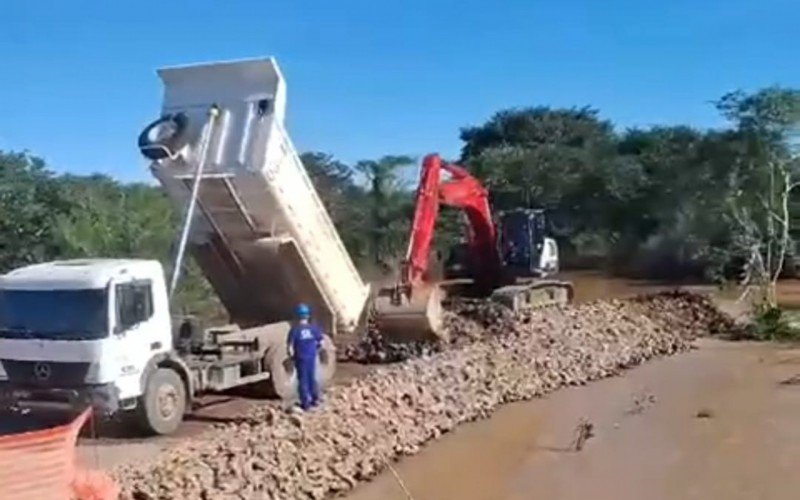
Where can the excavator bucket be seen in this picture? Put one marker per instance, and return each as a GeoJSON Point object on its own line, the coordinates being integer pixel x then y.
{"type": "Point", "coordinates": [410, 317]}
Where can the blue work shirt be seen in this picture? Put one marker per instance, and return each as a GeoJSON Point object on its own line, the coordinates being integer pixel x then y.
{"type": "Point", "coordinates": [305, 340]}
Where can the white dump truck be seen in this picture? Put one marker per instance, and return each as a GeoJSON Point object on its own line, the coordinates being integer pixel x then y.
{"type": "Point", "coordinates": [101, 330]}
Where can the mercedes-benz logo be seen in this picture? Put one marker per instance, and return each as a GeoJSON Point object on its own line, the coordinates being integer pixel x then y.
{"type": "Point", "coordinates": [42, 371]}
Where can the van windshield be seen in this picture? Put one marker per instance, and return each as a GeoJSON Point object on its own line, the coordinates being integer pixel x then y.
{"type": "Point", "coordinates": [54, 314]}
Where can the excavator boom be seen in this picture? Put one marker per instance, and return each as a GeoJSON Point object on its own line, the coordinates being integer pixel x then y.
{"type": "Point", "coordinates": [408, 310]}
{"type": "Point", "coordinates": [462, 191]}
{"type": "Point", "coordinates": [426, 211]}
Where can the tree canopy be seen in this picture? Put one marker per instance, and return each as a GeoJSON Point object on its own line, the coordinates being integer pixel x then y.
{"type": "Point", "coordinates": [665, 201]}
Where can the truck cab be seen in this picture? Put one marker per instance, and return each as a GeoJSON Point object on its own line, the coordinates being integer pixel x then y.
{"type": "Point", "coordinates": [98, 332]}
{"type": "Point", "coordinates": [82, 330]}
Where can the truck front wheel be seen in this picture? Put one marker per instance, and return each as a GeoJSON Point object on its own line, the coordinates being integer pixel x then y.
{"type": "Point", "coordinates": [163, 404]}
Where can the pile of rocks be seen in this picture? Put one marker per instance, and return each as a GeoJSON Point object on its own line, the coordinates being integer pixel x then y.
{"type": "Point", "coordinates": [374, 348]}
{"type": "Point", "coordinates": [497, 357]}
{"type": "Point", "coordinates": [687, 311]}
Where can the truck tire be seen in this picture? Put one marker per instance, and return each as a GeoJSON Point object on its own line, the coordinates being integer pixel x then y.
{"type": "Point", "coordinates": [326, 364]}
{"type": "Point", "coordinates": [284, 376]}
{"type": "Point", "coordinates": [159, 148]}
{"type": "Point", "coordinates": [163, 404]}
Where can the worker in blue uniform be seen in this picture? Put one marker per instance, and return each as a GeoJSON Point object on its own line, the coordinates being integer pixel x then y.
{"type": "Point", "coordinates": [304, 342]}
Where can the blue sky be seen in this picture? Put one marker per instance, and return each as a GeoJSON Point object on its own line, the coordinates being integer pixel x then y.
{"type": "Point", "coordinates": [367, 78]}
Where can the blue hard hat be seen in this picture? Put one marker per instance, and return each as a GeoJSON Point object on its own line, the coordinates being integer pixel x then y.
{"type": "Point", "coordinates": [302, 311]}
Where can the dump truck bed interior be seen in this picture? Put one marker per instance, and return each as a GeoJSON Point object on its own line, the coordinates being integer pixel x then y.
{"type": "Point", "coordinates": [261, 234]}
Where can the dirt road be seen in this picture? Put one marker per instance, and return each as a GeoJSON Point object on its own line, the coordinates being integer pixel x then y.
{"type": "Point", "coordinates": [116, 446]}
{"type": "Point", "coordinates": [715, 423]}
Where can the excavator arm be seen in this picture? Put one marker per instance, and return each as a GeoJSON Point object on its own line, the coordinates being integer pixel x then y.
{"type": "Point", "coordinates": [461, 191]}
{"type": "Point", "coordinates": [415, 302]}
{"type": "Point", "coordinates": [426, 211]}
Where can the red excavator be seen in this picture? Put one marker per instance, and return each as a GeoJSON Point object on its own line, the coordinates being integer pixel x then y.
{"type": "Point", "coordinates": [508, 257]}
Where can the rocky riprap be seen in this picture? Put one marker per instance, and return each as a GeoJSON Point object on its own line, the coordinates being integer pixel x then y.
{"type": "Point", "coordinates": [374, 348]}
{"type": "Point", "coordinates": [496, 357]}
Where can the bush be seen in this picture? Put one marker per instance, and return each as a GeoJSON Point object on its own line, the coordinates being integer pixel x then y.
{"type": "Point", "coordinates": [771, 323]}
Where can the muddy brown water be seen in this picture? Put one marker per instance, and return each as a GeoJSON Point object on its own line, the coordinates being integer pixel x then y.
{"type": "Point", "coordinates": [715, 423]}
{"type": "Point", "coordinates": [593, 285]}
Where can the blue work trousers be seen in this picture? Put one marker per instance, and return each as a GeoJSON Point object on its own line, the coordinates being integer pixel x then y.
{"type": "Point", "coordinates": [307, 381]}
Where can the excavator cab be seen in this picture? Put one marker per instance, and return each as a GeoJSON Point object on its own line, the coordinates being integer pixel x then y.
{"type": "Point", "coordinates": [522, 240]}
{"type": "Point", "coordinates": [525, 249]}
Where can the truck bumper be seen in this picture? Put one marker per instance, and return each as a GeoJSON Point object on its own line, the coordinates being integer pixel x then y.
{"type": "Point", "coordinates": [103, 397]}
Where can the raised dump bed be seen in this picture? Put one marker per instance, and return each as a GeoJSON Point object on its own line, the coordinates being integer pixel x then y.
{"type": "Point", "coordinates": [261, 235]}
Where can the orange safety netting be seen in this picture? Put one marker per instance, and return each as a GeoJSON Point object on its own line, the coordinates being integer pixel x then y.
{"type": "Point", "coordinates": [43, 465]}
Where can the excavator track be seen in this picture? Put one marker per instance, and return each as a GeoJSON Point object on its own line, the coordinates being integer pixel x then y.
{"type": "Point", "coordinates": [534, 294]}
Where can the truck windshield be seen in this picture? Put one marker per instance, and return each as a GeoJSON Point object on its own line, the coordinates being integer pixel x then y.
{"type": "Point", "coordinates": [53, 314]}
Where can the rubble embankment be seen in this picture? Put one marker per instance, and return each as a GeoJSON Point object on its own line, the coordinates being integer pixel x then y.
{"type": "Point", "coordinates": [495, 357]}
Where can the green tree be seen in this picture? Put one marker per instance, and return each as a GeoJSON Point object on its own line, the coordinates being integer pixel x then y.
{"type": "Point", "coordinates": [332, 179]}
{"type": "Point", "coordinates": [31, 202]}
{"type": "Point", "coordinates": [345, 201]}
{"type": "Point", "coordinates": [389, 208]}
{"type": "Point", "coordinates": [110, 219]}
{"type": "Point", "coordinates": [533, 127]}
{"type": "Point", "coordinates": [769, 171]}
{"type": "Point", "coordinates": [673, 221]}
{"type": "Point", "coordinates": [563, 160]}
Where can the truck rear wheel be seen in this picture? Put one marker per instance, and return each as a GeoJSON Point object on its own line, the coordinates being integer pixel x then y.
{"type": "Point", "coordinates": [326, 364]}
{"type": "Point", "coordinates": [284, 376]}
{"type": "Point", "coordinates": [163, 404]}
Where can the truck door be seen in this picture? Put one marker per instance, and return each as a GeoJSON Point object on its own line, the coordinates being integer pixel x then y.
{"type": "Point", "coordinates": [135, 333]}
